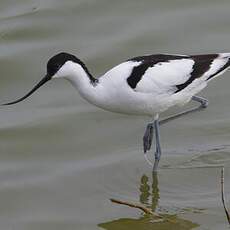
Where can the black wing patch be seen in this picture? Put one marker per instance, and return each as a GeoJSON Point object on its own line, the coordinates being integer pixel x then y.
{"type": "Point", "coordinates": [136, 75]}
{"type": "Point", "coordinates": [148, 61]}
{"type": "Point", "coordinates": [201, 65]}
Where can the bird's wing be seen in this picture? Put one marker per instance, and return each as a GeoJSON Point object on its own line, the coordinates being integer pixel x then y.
{"type": "Point", "coordinates": [163, 73]}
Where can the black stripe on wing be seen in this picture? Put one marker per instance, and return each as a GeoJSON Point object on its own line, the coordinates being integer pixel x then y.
{"type": "Point", "coordinates": [148, 61]}
{"type": "Point", "coordinates": [201, 65]}
{"type": "Point", "coordinates": [220, 70]}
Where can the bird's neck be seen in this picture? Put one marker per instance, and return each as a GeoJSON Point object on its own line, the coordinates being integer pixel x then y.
{"type": "Point", "coordinates": [80, 77]}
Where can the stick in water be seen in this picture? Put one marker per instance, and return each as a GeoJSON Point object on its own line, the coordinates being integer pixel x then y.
{"type": "Point", "coordinates": [222, 195]}
{"type": "Point", "coordinates": [142, 208]}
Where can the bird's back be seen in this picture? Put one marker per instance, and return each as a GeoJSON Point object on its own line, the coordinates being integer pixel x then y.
{"type": "Point", "coordinates": [164, 73]}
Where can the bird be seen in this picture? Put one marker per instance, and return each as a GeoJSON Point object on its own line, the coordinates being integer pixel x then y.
{"type": "Point", "coordinates": [144, 85]}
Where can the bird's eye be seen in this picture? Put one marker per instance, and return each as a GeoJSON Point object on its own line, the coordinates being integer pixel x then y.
{"type": "Point", "coordinates": [57, 67]}
{"type": "Point", "coordinates": [52, 69]}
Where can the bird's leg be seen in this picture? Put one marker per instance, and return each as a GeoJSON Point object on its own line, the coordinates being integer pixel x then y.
{"type": "Point", "coordinates": [203, 104]}
{"type": "Point", "coordinates": [148, 137]}
{"type": "Point", "coordinates": [203, 101]}
{"type": "Point", "coordinates": [157, 143]}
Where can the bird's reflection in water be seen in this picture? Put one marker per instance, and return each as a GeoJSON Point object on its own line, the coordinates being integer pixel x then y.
{"type": "Point", "coordinates": [149, 196]}
{"type": "Point", "coordinates": [147, 192]}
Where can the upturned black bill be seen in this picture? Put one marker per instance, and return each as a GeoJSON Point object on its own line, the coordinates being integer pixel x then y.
{"type": "Point", "coordinates": [42, 82]}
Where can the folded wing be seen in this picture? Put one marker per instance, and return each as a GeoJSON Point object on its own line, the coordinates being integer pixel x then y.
{"type": "Point", "coordinates": [163, 73]}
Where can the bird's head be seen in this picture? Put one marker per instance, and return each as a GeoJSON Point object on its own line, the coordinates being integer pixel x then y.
{"type": "Point", "coordinates": [59, 66]}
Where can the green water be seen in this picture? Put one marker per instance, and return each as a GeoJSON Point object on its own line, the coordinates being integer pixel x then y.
{"type": "Point", "coordinates": [61, 159]}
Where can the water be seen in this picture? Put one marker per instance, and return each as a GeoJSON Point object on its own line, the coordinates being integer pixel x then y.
{"type": "Point", "coordinates": [62, 159]}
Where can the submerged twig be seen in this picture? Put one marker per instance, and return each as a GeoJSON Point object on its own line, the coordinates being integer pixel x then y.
{"type": "Point", "coordinates": [133, 205]}
{"type": "Point", "coordinates": [222, 195]}
{"type": "Point", "coordinates": [144, 209]}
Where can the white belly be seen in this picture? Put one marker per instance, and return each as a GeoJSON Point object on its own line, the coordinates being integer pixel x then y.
{"type": "Point", "coordinates": [137, 103]}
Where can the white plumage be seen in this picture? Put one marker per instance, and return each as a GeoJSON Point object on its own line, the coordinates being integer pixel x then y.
{"type": "Point", "coordinates": [145, 85]}
{"type": "Point", "coordinates": [164, 76]}
{"type": "Point", "coordinates": [156, 90]}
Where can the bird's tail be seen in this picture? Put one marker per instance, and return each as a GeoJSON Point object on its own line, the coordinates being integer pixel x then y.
{"type": "Point", "coordinates": [219, 66]}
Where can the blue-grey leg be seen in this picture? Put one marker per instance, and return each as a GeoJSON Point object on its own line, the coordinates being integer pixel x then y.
{"type": "Point", "coordinates": [203, 104]}
{"type": "Point", "coordinates": [148, 136]}
{"type": "Point", "coordinates": [158, 145]}
{"type": "Point", "coordinates": [203, 101]}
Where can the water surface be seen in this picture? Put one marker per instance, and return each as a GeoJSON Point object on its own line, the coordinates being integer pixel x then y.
{"type": "Point", "coordinates": [62, 159]}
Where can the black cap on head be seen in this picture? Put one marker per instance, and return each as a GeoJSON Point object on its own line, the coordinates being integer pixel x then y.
{"type": "Point", "coordinates": [57, 61]}
{"type": "Point", "coordinates": [53, 65]}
